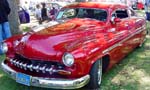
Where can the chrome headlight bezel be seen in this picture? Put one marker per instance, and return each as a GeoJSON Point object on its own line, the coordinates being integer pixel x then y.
{"type": "Point", "coordinates": [68, 59]}
{"type": "Point", "coordinates": [4, 47]}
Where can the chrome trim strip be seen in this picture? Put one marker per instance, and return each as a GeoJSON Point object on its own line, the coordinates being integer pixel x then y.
{"type": "Point", "coordinates": [120, 43]}
{"type": "Point", "coordinates": [50, 82]}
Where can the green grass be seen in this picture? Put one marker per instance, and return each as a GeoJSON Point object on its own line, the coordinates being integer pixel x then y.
{"type": "Point", "coordinates": [132, 73]}
{"type": "Point", "coordinates": [26, 29]}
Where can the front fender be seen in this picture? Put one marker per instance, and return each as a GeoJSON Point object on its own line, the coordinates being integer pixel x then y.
{"type": "Point", "coordinates": [10, 43]}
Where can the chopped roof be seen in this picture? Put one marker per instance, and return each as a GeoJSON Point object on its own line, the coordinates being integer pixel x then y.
{"type": "Point", "coordinates": [102, 5]}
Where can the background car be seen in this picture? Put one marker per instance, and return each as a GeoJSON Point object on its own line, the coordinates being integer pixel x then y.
{"type": "Point", "coordinates": [138, 6]}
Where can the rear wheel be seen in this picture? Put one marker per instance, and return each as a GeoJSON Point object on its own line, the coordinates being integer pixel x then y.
{"type": "Point", "coordinates": [95, 75]}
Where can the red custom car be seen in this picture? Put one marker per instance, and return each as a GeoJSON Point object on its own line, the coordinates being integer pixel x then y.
{"type": "Point", "coordinates": [90, 38]}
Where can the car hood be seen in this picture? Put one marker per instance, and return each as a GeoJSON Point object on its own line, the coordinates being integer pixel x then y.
{"type": "Point", "coordinates": [51, 43]}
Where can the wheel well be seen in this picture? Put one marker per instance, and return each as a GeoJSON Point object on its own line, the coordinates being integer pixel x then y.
{"type": "Point", "coordinates": [105, 62]}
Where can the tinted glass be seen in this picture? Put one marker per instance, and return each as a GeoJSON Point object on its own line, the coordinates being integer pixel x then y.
{"type": "Point", "coordinates": [98, 14]}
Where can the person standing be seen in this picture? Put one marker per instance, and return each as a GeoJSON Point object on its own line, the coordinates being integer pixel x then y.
{"type": "Point", "coordinates": [53, 12]}
{"type": "Point", "coordinates": [38, 13]}
{"type": "Point", "coordinates": [44, 14]}
{"type": "Point", "coordinates": [4, 24]}
{"type": "Point", "coordinates": [26, 6]}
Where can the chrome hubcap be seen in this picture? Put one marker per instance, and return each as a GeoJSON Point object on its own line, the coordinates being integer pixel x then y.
{"type": "Point", "coordinates": [99, 72]}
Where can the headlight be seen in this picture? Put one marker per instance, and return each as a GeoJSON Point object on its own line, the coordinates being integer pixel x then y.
{"type": "Point", "coordinates": [68, 59]}
{"type": "Point", "coordinates": [4, 47]}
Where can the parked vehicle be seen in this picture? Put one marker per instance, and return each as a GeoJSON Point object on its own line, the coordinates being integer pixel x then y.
{"type": "Point", "coordinates": [138, 6]}
{"type": "Point", "coordinates": [90, 38]}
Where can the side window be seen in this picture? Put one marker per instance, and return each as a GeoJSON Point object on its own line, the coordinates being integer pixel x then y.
{"type": "Point", "coordinates": [122, 13]}
{"type": "Point", "coordinates": [100, 15]}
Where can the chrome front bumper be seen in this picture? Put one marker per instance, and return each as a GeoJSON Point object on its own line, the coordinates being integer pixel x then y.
{"type": "Point", "coordinates": [50, 82]}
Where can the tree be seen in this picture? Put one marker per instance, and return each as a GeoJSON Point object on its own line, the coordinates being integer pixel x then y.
{"type": "Point", "coordinates": [13, 17]}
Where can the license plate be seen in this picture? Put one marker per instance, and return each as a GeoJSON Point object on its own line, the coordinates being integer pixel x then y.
{"type": "Point", "coordinates": [23, 79]}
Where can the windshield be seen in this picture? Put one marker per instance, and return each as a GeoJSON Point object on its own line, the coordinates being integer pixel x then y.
{"type": "Point", "coordinates": [69, 13]}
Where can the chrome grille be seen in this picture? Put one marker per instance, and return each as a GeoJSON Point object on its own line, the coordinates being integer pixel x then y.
{"type": "Point", "coordinates": [36, 65]}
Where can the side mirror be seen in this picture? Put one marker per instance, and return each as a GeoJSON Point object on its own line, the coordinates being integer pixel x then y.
{"type": "Point", "coordinates": [116, 20]}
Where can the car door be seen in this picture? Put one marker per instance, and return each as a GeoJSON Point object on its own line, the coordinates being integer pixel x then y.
{"type": "Point", "coordinates": [120, 46]}
{"type": "Point", "coordinates": [139, 31]}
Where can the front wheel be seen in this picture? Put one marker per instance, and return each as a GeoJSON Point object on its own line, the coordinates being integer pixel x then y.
{"type": "Point", "coordinates": [95, 75]}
